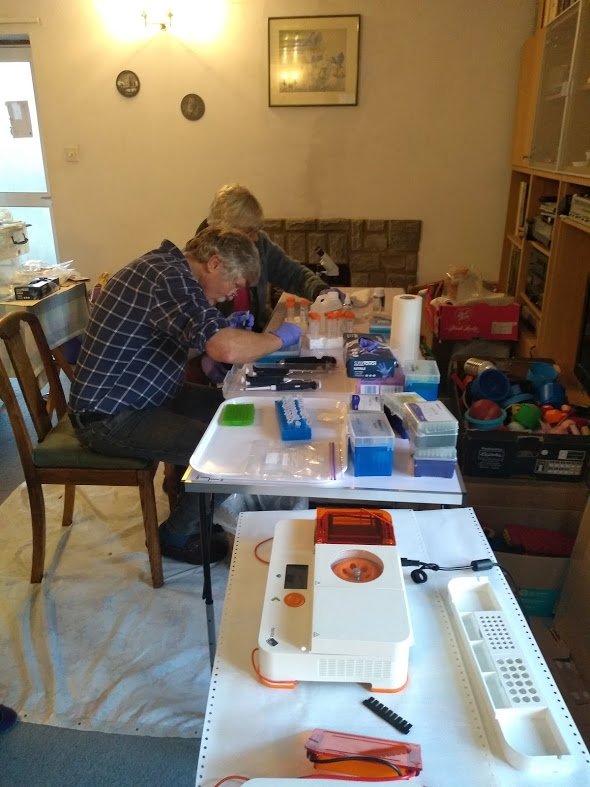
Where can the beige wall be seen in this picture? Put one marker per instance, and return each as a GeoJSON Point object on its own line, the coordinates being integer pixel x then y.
{"type": "Point", "coordinates": [429, 139]}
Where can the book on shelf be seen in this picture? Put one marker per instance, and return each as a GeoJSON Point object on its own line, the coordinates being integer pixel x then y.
{"type": "Point", "coordinates": [513, 268]}
{"type": "Point", "coordinates": [549, 11]}
{"type": "Point", "coordinates": [563, 5]}
{"type": "Point", "coordinates": [553, 8]}
{"type": "Point", "coordinates": [521, 208]}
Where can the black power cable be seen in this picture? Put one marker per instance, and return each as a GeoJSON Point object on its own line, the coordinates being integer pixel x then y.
{"type": "Point", "coordinates": [354, 758]}
{"type": "Point", "coordinates": [419, 574]}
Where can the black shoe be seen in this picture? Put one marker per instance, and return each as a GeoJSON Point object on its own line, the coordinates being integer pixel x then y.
{"type": "Point", "coordinates": [191, 551]}
{"type": "Point", "coordinates": [8, 718]}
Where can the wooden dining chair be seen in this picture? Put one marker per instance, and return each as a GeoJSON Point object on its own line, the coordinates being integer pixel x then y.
{"type": "Point", "coordinates": [57, 456]}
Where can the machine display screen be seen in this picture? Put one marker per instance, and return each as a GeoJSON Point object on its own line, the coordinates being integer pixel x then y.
{"type": "Point", "coordinates": [296, 576]}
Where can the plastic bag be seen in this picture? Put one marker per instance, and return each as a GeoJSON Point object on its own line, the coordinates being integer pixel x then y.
{"type": "Point", "coordinates": [227, 508]}
{"type": "Point", "coordinates": [462, 284]}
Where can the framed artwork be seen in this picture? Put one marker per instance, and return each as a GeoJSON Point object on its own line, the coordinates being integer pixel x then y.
{"type": "Point", "coordinates": [313, 60]}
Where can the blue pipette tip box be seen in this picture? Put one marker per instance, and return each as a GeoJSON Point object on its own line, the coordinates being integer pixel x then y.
{"type": "Point", "coordinates": [371, 441]}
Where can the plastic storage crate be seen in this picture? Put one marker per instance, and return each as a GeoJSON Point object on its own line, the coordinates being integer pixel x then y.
{"type": "Point", "coordinates": [505, 454]}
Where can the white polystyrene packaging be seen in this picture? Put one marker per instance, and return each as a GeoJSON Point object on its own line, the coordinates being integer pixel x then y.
{"type": "Point", "coordinates": [327, 302]}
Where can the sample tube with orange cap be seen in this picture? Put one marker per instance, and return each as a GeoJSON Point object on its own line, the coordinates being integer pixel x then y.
{"type": "Point", "coordinates": [314, 325]}
{"type": "Point", "coordinates": [303, 313]}
{"type": "Point", "coordinates": [333, 325]}
{"type": "Point", "coordinates": [290, 305]}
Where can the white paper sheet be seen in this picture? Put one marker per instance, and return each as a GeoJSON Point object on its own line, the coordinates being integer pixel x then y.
{"type": "Point", "coordinates": [95, 647]}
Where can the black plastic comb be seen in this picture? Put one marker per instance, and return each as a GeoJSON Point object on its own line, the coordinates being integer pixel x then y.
{"type": "Point", "coordinates": [388, 715]}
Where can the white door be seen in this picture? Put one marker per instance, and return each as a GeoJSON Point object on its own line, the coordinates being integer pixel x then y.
{"type": "Point", "coordinates": [24, 191]}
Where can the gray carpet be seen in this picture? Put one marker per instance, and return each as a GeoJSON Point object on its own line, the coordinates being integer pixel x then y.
{"type": "Point", "coordinates": [33, 755]}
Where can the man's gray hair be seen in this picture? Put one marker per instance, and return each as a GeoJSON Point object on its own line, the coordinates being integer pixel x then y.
{"type": "Point", "coordinates": [235, 206]}
{"type": "Point", "coordinates": [239, 254]}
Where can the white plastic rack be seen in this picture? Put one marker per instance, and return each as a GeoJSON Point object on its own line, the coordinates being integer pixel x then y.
{"type": "Point", "coordinates": [515, 711]}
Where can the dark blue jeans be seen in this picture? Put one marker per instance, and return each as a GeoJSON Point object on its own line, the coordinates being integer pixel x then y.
{"type": "Point", "coordinates": [169, 433]}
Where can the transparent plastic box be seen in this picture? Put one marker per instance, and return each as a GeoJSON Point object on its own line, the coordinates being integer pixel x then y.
{"type": "Point", "coordinates": [371, 443]}
{"type": "Point", "coordinates": [435, 440]}
{"type": "Point", "coordinates": [369, 430]}
{"type": "Point", "coordinates": [423, 377]}
{"type": "Point", "coordinates": [431, 417]}
{"type": "Point", "coordinates": [396, 400]}
{"type": "Point", "coordinates": [445, 452]}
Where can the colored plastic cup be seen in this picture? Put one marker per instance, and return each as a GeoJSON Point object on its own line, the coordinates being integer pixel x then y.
{"type": "Point", "coordinates": [490, 423]}
{"type": "Point", "coordinates": [551, 393]}
{"type": "Point", "coordinates": [541, 372]}
{"type": "Point", "coordinates": [528, 415]}
{"type": "Point", "coordinates": [517, 395]}
{"type": "Point", "coordinates": [490, 384]}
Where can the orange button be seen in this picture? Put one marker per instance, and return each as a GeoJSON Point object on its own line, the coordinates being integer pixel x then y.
{"type": "Point", "coordinates": [294, 599]}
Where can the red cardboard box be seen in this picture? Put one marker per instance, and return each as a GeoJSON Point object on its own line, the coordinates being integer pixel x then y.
{"type": "Point", "coordinates": [473, 321]}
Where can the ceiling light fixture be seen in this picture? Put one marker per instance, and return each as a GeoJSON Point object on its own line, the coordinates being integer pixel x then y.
{"type": "Point", "coordinates": [163, 25]}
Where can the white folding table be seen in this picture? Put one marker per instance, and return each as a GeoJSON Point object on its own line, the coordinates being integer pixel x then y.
{"type": "Point", "coordinates": [222, 469]}
{"type": "Point", "coordinates": [257, 731]}
{"type": "Point", "coordinates": [224, 451]}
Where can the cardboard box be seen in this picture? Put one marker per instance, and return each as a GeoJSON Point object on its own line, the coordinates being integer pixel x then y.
{"type": "Point", "coordinates": [473, 321]}
{"type": "Point", "coordinates": [539, 578]}
{"type": "Point", "coordinates": [572, 619]}
{"type": "Point", "coordinates": [504, 454]}
{"type": "Point", "coordinates": [539, 501]}
{"type": "Point", "coordinates": [566, 672]}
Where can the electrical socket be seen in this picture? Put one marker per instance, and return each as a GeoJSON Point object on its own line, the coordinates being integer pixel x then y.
{"type": "Point", "coordinates": [72, 154]}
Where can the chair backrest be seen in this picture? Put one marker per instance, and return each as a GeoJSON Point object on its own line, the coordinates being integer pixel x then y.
{"type": "Point", "coordinates": [41, 408]}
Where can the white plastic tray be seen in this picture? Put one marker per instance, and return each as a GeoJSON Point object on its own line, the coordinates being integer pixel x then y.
{"type": "Point", "coordinates": [514, 707]}
{"type": "Point", "coordinates": [257, 451]}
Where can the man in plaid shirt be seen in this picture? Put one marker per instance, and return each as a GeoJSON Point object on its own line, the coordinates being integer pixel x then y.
{"type": "Point", "coordinates": [129, 397]}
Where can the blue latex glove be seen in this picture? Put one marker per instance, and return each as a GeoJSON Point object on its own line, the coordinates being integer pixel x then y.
{"type": "Point", "coordinates": [288, 333]}
{"type": "Point", "coordinates": [214, 370]}
{"type": "Point", "coordinates": [241, 319]}
{"type": "Point", "coordinates": [340, 294]}
{"type": "Point", "coordinates": [369, 345]}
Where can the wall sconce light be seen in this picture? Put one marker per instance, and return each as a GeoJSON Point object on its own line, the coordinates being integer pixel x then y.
{"type": "Point", "coordinates": [163, 25]}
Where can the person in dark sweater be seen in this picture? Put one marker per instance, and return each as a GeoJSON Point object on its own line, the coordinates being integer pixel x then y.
{"type": "Point", "coordinates": [235, 207]}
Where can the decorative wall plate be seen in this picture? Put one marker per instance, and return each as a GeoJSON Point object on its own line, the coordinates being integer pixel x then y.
{"type": "Point", "coordinates": [192, 106]}
{"type": "Point", "coordinates": [127, 83]}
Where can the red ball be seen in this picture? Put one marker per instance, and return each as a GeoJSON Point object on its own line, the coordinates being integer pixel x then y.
{"type": "Point", "coordinates": [485, 410]}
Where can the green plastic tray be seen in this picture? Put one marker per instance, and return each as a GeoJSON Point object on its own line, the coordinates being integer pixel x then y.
{"type": "Point", "coordinates": [237, 415]}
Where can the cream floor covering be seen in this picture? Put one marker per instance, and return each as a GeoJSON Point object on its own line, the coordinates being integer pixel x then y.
{"type": "Point", "coordinates": [95, 647]}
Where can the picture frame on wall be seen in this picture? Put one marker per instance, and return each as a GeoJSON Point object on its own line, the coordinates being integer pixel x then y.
{"type": "Point", "coordinates": [313, 60]}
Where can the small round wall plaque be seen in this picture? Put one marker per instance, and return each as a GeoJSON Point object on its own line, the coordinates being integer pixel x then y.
{"type": "Point", "coordinates": [192, 106]}
{"type": "Point", "coordinates": [127, 84]}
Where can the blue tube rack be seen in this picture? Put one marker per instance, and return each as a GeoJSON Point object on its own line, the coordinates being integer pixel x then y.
{"type": "Point", "coordinates": [292, 419]}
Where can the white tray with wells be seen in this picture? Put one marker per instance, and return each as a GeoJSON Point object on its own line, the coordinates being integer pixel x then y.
{"type": "Point", "coordinates": [514, 699]}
